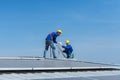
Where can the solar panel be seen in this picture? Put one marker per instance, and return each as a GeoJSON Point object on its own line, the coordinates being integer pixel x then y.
{"type": "Point", "coordinates": [40, 64]}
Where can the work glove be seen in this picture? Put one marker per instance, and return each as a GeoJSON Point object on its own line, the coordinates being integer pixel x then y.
{"type": "Point", "coordinates": [60, 43]}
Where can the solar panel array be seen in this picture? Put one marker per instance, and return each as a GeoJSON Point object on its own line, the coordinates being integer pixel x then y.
{"type": "Point", "coordinates": [20, 63]}
{"type": "Point", "coordinates": [45, 63]}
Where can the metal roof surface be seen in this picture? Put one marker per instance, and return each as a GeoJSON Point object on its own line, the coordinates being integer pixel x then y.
{"type": "Point", "coordinates": [97, 75]}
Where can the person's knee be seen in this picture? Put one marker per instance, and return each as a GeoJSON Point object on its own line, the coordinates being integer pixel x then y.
{"type": "Point", "coordinates": [52, 46]}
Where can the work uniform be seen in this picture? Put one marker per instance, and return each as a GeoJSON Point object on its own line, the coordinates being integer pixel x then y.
{"type": "Point", "coordinates": [68, 50]}
{"type": "Point", "coordinates": [49, 41]}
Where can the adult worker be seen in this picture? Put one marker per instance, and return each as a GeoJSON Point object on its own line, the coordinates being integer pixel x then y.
{"type": "Point", "coordinates": [68, 49]}
{"type": "Point", "coordinates": [50, 40]}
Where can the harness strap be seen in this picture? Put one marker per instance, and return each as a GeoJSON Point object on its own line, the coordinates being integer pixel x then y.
{"type": "Point", "coordinates": [51, 36]}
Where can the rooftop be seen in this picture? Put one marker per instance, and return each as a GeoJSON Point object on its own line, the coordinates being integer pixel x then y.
{"type": "Point", "coordinates": [35, 68]}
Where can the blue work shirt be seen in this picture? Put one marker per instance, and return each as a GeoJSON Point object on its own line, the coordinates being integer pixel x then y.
{"type": "Point", "coordinates": [68, 48]}
{"type": "Point", "coordinates": [52, 37]}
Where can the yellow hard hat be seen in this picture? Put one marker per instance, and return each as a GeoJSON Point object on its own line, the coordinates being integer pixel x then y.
{"type": "Point", "coordinates": [67, 41]}
{"type": "Point", "coordinates": [59, 31]}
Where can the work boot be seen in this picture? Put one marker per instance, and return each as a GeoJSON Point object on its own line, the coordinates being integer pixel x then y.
{"type": "Point", "coordinates": [44, 56]}
{"type": "Point", "coordinates": [55, 57]}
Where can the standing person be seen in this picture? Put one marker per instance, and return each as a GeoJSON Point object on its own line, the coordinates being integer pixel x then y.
{"type": "Point", "coordinates": [68, 49]}
{"type": "Point", "coordinates": [50, 40]}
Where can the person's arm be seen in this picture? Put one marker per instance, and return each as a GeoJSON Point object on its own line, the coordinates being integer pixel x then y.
{"type": "Point", "coordinates": [54, 40]}
{"type": "Point", "coordinates": [54, 37]}
{"type": "Point", "coordinates": [64, 46]}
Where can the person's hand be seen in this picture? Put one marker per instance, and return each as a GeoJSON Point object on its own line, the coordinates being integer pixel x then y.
{"type": "Point", "coordinates": [60, 43]}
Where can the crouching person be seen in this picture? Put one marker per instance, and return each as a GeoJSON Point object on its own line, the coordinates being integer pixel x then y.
{"type": "Point", "coordinates": [68, 49]}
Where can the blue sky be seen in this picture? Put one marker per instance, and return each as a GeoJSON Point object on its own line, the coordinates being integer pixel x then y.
{"type": "Point", "coordinates": [92, 26]}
